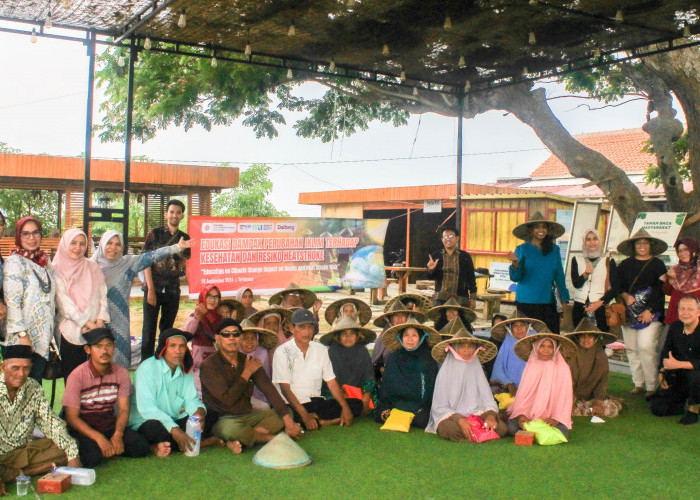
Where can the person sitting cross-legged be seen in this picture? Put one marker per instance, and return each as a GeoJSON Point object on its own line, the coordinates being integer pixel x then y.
{"type": "Point", "coordinates": [96, 401]}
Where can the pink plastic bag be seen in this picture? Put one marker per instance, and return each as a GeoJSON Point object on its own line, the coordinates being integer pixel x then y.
{"type": "Point", "coordinates": [479, 432]}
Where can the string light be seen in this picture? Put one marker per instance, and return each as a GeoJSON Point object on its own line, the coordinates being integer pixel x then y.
{"type": "Point", "coordinates": [533, 2]}
{"type": "Point", "coordinates": [525, 71]}
{"type": "Point", "coordinates": [385, 50]}
{"type": "Point", "coordinates": [66, 4]}
{"type": "Point", "coordinates": [462, 62]}
{"type": "Point", "coordinates": [214, 62]}
{"type": "Point", "coordinates": [415, 90]}
{"type": "Point", "coordinates": [619, 17]}
{"type": "Point", "coordinates": [351, 3]}
{"type": "Point", "coordinates": [686, 31]}
{"type": "Point", "coordinates": [248, 49]}
{"type": "Point", "coordinates": [48, 24]}
{"type": "Point", "coordinates": [147, 44]}
{"type": "Point", "coordinates": [121, 62]}
{"type": "Point", "coordinates": [290, 73]}
{"type": "Point", "coordinates": [596, 53]}
{"type": "Point", "coordinates": [448, 23]}
{"type": "Point", "coordinates": [532, 39]}
{"type": "Point", "coordinates": [292, 30]}
{"type": "Point", "coordinates": [33, 37]}
{"type": "Point", "coordinates": [182, 21]}
{"type": "Point", "coordinates": [467, 86]}
{"type": "Point", "coordinates": [402, 77]}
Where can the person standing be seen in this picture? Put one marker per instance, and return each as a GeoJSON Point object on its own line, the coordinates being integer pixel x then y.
{"type": "Point", "coordinates": [162, 280]}
{"type": "Point", "coordinates": [683, 278]}
{"type": "Point", "coordinates": [453, 271]}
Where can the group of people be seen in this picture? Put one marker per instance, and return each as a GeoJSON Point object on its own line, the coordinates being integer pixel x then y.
{"type": "Point", "coordinates": [245, 375]}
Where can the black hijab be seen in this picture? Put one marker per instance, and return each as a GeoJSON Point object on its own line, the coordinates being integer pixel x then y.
{"type": "Point", "coordinates": [409, 379]}
{"type": "Point", "coordinates": [351, 365]}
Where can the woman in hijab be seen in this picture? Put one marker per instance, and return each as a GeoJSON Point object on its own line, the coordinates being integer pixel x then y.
{"type": "Point", "coordinates": [119, 271]}
{"type": "Point", "coordinates": [461, 388]}
{"type": "Point", "coordinates": [683, 278]}
{"type": "Point", "coordinates": [29, 288]}
{"type": "Point", "coordinates": [589, 371]}
{"type": "Point", "coordinates": [203, 323]}
{"type": "Point", "coordinates": [350, 360]}
{"type": "Point", "coordinates": [409, 374]}
{"type": "Point", "coordinates": [275, 319]}
{"type": "Point", "coordinates": [245, 297]}
{"type": "Point", "coordinates": [545, 391]}
{"type": "Point", "coordinates": [258, 342]}
{"type": "Point", "coordinates": [594, 276]}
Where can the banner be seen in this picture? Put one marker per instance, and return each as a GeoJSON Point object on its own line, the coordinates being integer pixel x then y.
{"type": "Point", "coordinates": [267, 254]}
{"type": "Point", "coordinates": [663, 225]}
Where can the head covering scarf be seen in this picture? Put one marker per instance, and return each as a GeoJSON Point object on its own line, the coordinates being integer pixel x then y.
{"type": "Point", "coordinates": [508, 367]}
{"type": "Point", "coordinates": [546, 389]}
{"type": "Point", "coordinates": [37, 256]}
{"type": "Point", "coordinates": [409, 379]}
{"type": "Point", "coordinates": [82, 276]}
{"type": "Point", "coordinates": [164, 338]}
{"type": "Point", "coordinates": [592, 254]}
{"type": "Point", "coordinates": [461, 387]}
{"type": "Point", "coordinates": [351, 365]}
{"type": "Point", "coordinates": [209, 324]}
{"type": "Point", "coordinates": [239, 296]}
{"type": "Point", "coordinates": [589, 371]}
{"type": "Point", "coordinates": [281, 335]}
{"type": "Point", "coordinates": [687, 275]}
{"type": "Point", "coordinates": [113, 270]}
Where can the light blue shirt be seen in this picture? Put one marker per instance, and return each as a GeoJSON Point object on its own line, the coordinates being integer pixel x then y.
{"type": "Point", "coordinates": [536, 273]}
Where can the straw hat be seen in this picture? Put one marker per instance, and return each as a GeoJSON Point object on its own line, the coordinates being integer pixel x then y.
{"type": "Point", "coordinates": [281, 452]}
{"type": "Point", "coordinates": [423, 302]}
{"type": "Point", "coordinates": [626, 247]}
{"type": "Point", "coordinates": [392, 343]}
{"type": "Point", "coordinates": [266, 338]}
{"type": "Point", "coordinates": [436, 312]}
{"type": "Point", "coordinates": [307, 296]}
{"type": "Point", "coordinates": [364, 335]}
{"type": "Point", "coordinates": [235, 306]}
{"type": "Point", "coordinates": [364, 312]}
{"type": "Point", "coordinates": [586, 327]}
{"type": "Point", "coordinates": [397, 307]}
{"type": "Point", "coordinates": [555, 229]}
{"type": "Point", "coordinates": [523, 347]}
{"type": "Point", "coordinates": [286, 314]}
{"type": "Point", "coordinates": [450, 329]}
{"type": "Point", "coordinates": [488, 352]}
{"type": "Point", "coordinates": [498, 331]}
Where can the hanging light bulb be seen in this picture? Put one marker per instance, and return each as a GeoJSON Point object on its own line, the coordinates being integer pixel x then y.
{"type": "Point", "coordinates": [619, 17]}
{"type": "Point", "coordinates": [467, 86]}
{"type": "Point", "coordinates": [33, 37]}
{"type": "Point", "coordinates": [48, 24]}
{"type": "Point", "coordinates": [448, 23]}
{"type": "Point", "coordinates": [292, 30]}
{"type": "Point", "coordinates": [214, 62]}
{"type": "Point", "coordinates": [462, 62]}
{"type": "Point", "coordinates": [66, 4]}
{"type": "Point", "coordinates": [351, 3]}
{"type": "Point", "coordinates": [686, 31]}
{"type": "Point", "coordinates": [533, 2]}
{"type": "Point", "coordinates": [182, 21]}
{"type": "Point", "coordinates": [290, 73]}
{"type": "Point", "coordinates": [121, 62]}
{"type": "Point", "coordinates": [147, 44]}
{"type": "Point", "coordinates": [402, 77]}
{"type": "Point", "coordinates": [596, 53]}
{"type": "Point", "coordinates": [385, 50]}
{"type": "Point", "coordinates": [415, 90]}
{"type": "Point", "coordinates": [331, 66]}
{"type": "Point", "coordinates": [248, 50]}
{"type": "Point", "coordinates": [532, 39]}
{"type": "Point", "coordinates": [525, 71]}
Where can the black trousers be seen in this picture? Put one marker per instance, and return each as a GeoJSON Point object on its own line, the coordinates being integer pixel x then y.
{"type": "Point", "coordinates": [72, 356]}
{"type": "Point", "coordinates": [167, 304]}
{"type": "Point", "coordinates": [685, 386]}
{"type": "Point", "coordinates": [544, 312]}
{"type": "Point", "coordinates": [135, 446]}
{"type": "Point", "coordinates": [578, 313]}
{"type": "Point", "coordinates": [155, 432]}
{"type": "Point", "coordinates": [328, 409]}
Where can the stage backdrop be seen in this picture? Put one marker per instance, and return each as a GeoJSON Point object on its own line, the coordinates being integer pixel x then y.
{"type": "Point", "coordinates": [266, 254]}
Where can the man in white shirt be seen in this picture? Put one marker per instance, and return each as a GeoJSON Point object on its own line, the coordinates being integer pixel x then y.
{"type": "Point", "coordinates": [299, 368]}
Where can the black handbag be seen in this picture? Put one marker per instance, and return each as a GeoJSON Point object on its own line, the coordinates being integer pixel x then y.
{"type": "Point", "coordinates": [53, 369]}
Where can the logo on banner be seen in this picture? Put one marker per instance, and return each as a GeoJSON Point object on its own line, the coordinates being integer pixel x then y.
{"type": "Point", "coordinates": [219, 227]}
{"type": "Point", "coordinates": [286, 227]}
{"type": "Point", "coordinates": [255, 227]}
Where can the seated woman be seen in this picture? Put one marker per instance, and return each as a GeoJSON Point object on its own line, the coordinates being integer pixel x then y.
{"type": "Point", "coordinates": [546, 390]}
{"type": "Point", "coordinates": [257, 342]}
{"type": "Point", "coordinates": [356, 309]}
{"type": "Point", "coordinates": [275, 319]}
{"type": "Point", "coordinates": [231, 308]}
{"type": "Point", "coordinates": [415, 301]}
{"type": "Point", "coordinates": [589, 371]}
{"type": "Point", "coordinates": [443, 314]}
{"type": "Point", "coordinates": [453, 327]}
{"type": "Point", "coordinates": [410, 371]}
{"type": "Point", "coordinates": [350, 359]}
{"type": "Point", "coordinates": [508, 368]}
{"type": "Point", "coordinates": [245, 297]}
{"type": "Point", "coordinates": [461, 388]}
{"type": "Point", "coordinates": [203, 323]}
{"type": "Point", "coordinates": [397, 314]}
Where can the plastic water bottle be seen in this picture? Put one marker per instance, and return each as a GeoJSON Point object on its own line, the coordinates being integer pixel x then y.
{"type": "Point", "coordinates": [78, 475]}
{"type": "Point", "coordinates": [194, 430]}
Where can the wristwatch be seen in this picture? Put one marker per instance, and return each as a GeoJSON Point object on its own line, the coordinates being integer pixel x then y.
{"type": "Point", "coordinates": [22, 334]}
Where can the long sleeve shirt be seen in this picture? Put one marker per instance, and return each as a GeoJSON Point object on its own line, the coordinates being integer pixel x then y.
{"type": "Point", "coordinates": [30, 409]}
{"type": "Point", "coordinates": [535, 274]}
{"type": "Point", "coordinates": [631, 269]}
{"type": "Point", "coordinates": [71, 319]}
{"type": "Point", "coordinates": [167, 272]}
{"type": "Point", "coordinates": [159, 394]}
{"type": "Point", "coordinates": [578, 280]}
{"type": "Point", "coordinates": [465, 279]}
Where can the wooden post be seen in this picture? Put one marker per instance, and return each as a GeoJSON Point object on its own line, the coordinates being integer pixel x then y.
{"type": "Point", "coordinates": [408, 237]}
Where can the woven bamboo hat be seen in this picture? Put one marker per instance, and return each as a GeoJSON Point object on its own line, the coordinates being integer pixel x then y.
{"type": "Point", "coordinates": [498, 331]}
{"type": "Point", "coordinates": [437, 311]}
{"type": "Point", "coordinates": [398, 307]}
{"type": "Point", "coordinates": [392, 343]}
{"type": "Point", "coordinates": [307, 296]}
{"type": "Point", "coordinates": [266, 338]}
{"type": "Point", "coordinates": [423, 301]}
{"type": "Point", "coordinates": [586, 327]}
{"type": "Point", "coordinates": [364, 312]}
{"type": "Point", "coordinates": [523, 347]}
{"type": "Point", "coordinates": [522, 231]}
{"type": "Point", "coordinates": [488, 352]}
{"type": "Point", "coordinates": [451, 328]}
{"type": "Point", "coordinates": [285, 314]}
{"type": "Point", "coordinates": [235, 306]}
{"type": "Point", "coordinates": [364, 335]}
{"type": "Point", "coordinates": [626, 247]}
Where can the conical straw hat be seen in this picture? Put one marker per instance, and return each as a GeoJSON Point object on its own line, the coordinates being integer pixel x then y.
{"type": "Point", "coordinates": [281, 453]}
{"type": "Point", "coordinates": [555, 229]}
{"type": "Point", "coordinates": [586, 327]}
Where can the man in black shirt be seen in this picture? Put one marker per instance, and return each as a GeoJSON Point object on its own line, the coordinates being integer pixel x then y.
{"type": "Point", "coordinates": [679, 369]}
{"type": "Point", "coordinates": [453, 271]}
{"type": "Point", "coordinates": [162, 284]}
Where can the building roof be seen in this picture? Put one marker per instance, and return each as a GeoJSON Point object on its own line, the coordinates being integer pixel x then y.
{"type": "Point", "coordinates": [622, 147]}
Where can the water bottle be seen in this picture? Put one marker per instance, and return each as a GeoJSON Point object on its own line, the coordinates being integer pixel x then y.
{"type": "Point", "coordinates": [78, 475]}
{"type": "Point", "coordinates": [194, 430]}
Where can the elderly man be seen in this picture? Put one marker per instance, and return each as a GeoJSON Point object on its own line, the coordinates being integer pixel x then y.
{"type": "Point", "coordinates": [165, 396]}
{"type": "Point", "coordinates": [23, 407]}
{"type": "Point", "coordinates": [299, 366]}
{"type": "Point", "coordinates": [96, 400]}
{"type": "Point", "coordinates": [679, 369]}
{"type": "Point", "coordinates": [453, 271]}
{"type": "Point", "coordinates": [227, 386]}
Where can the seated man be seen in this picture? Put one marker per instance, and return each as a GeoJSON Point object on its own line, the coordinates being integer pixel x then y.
{"type": "Point", "coordinates": [94, 392]}
{"type": "Point", "coordinates": [298, 368]}
{"type": "Point", "coordinates": [23, 407]}
{"type": "Point", "coordinates": [165, 397]}
{"type": "Point", "coordinates": [226, 390]}
{"type": "Point", "coordinates": [679, 369]}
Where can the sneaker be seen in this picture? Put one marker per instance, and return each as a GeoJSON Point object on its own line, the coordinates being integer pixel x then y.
{"type": "Point", "coordinates": [637, 390]}
{"type": "Point", "coordinates": [689, 418]}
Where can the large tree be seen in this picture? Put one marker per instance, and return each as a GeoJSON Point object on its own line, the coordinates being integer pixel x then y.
{"type": "Point", "coordinates": [250, 197]}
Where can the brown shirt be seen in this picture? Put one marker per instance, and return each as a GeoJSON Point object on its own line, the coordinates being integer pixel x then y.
{"type": "Point", "coordinates": [450, 275]}
{"type": "Point", "coordinates": [225, 392]}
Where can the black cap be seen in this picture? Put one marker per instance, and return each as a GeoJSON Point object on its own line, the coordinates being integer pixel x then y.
{"type": "Point", "coordinates": [94, 336]}
{"type": "Point", "coordinates": [303, 317]}
{"type": "Point", "coordinates": [17, 352]}
{"type": "Point", "coordinates": [226, 322]}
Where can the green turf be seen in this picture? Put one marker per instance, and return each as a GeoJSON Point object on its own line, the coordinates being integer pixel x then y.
{"type": "Point", "coordinates": [633, 455]}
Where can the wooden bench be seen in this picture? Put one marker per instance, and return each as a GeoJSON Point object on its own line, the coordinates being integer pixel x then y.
{"type": "Point", "coordinates": [492, 304]}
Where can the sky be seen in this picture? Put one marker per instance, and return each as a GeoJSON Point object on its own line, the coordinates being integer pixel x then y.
{"type": "Point", "coordinates": [43, 89]}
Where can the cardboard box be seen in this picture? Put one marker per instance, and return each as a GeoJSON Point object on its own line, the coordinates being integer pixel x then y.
{"type": "Point", "coordinates": [524, 438]}
{"type": "Point", "coordinates": [53, 483]}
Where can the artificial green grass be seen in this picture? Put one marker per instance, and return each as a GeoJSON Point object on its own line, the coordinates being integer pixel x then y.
{"type": "Point", "coordinates": [633, 455]}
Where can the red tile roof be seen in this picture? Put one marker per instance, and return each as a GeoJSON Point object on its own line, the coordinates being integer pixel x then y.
{"type": "Point", "coordinates": [622, 147]}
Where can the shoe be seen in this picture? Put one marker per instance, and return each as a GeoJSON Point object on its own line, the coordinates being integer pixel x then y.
{"type": "Point", "coordinates": [689, 418]}
{"type": "Point", "coordinates": [637, 390]}
{"type": "Point", "coordinates": [648, 395]}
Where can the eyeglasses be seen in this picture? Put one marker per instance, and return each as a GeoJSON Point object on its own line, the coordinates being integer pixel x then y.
{"type": "Point", "coordinates": [230, 333]}
{"type": "Point", "coordinates": [449, 237]}
{"type": "Point", "coordinates": [294, 294]}
{"type": "Point", "coordinates": [27, 234]}
{"type": "Point", "coordinates": [213, 297]}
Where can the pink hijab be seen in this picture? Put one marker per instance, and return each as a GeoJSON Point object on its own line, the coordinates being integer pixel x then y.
{"type": "Point", "coordinates": [546, 389]}
{"type": "Point", "coordinates": [83, 277]}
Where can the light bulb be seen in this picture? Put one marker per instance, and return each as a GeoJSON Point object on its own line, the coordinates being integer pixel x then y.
{"type": "Point", "coordinates": [385, 50]}
{"type": "Point", "coordinates": [248, 50]}
{"type": "Point", "coordinates": [403, 76]}
{"type": "Point", "coordinates": [525, 71]}
{"type": "Point", "coordinates": [147, 44]}
{"type": "Point", "coordinates": [214, 62]}
{"type": "Point", "coordinates": [467, 86]}
{"type": "Point", "coordinates": [290, 73]}
{"type": "Point", "coordinates": [351, 3]}
{"type": "Point", "coordinates": [533, 2]}
{"type": "Point", "coordinates": [292, 30]}
{"type": "Point", "coordinates": [448, 23]}
{"type": "Point", "coordinates": [596, 52]}
{"type": "Point", "coordinates": [182, 21]}
{"type": "Point", "coordinates": [532, 39]}
{"type": "Point", "coordinates": [686, 31]}
{"type": "Point", "coordinates": [66, 4]}
{"type": "Point", "coordinates": [619, 17]}
{"type": "Point", "coordinates": [331, 66]}
{"type": "Point", "coordinates": [48, 23]}
{"type": "Point", "coordinates": [33, 37]}
{"type": "Point", "coordinates": [462, 62]}
{"type": "Point", "coordinates": [121, 62]}
{"type": "Point", "coordinates": [415, 90]}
